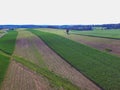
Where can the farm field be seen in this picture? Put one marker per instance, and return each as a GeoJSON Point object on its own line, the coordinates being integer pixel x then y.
{"type": "Point", "coordinates": [100, 33]}
{"type": "Point", "coordinates": [102, 44]}
{"type": "Point", "coordinates": [48, 59]}
{"type": "Point", "coordinates": [7, 42]}
{"type": "Point", "coordinates": [6, 46]}
{"type": "Point", "coordinates": [99, 66]}
{"type": "Point", "coordinates": [38, 60]}
{"type": "Point", "coordinates": [24, 74]}
{"type": "Point", "coordinates": [4, 62]}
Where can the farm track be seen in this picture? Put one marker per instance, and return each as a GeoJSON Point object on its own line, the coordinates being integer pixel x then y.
{"type": "Point", "coordinates": [56, 64]}
{"type": "Point", "coordinates": [19, 77]}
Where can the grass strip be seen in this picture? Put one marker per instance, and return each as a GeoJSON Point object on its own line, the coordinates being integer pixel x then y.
{"type": "Point", "coordinates": [7, 43]}
{"type": "Point", "coordinates": [4, 63]}
{"type": "Point", "coordinates": [111, 34]}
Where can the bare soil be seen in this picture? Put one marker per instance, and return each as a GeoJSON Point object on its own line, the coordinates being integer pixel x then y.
{"type": "Point", "coordinates": [19, 77]}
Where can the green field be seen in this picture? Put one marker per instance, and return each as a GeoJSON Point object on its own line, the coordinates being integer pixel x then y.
{"type": "Point", "coordinates": [4, 62]}
{"type": "Point", "coordinates": [7, 42]}
{"type": "Point", "coordinates": [98, 66]}
{"type": "Point", "coordinates": [100, 33]}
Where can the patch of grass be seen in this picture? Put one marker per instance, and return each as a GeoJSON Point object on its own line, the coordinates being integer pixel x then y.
{"type": "Point", "coordinates": [55, 80]}
{"type": "Point", "coordinates": [100, 67]}
{"type": "Point", "coordinates": [7, 43]}
{"type": "Point", "coordinates": [4, 62]}
{"type": "Point", "coordinates": [100, 33]}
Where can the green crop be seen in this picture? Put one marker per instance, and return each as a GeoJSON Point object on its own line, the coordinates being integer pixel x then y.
{"type": "Point", "coordinates": [7, 42]}
{"type": "Point", "coordinates": [100, 33]}
{"type": "Point", "coordinates": [98, 66]}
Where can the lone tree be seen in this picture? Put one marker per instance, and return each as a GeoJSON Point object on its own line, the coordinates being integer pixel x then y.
{"type": "Point", "coordinates": [67, 31]}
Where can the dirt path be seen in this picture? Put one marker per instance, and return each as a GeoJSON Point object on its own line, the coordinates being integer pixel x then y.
{"type": "Point", "coordinates": [18, 77]}
{"type": "Point", "coordinates": [59, 66]}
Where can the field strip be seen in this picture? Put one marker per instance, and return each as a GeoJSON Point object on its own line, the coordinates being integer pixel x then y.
{"type": "Point", "coordinates": [26, 47]}
{"type": "Point", "coordinates": [98, 36]}
{"type": "Point", "coordinates": [56, 64]}
{"type": "Point", "coordinates": [18, 77]}
{"type": "Point", "coordinates": [95, 42]}
{"type": "Point", "coordinates": [100, 67]}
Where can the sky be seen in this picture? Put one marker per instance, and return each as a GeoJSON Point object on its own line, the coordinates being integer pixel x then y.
{"type": "Point", "coordinates": [59, 12]}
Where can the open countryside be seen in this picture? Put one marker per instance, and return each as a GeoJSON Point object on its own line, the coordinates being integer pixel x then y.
{"type": "Point", "coordinates": [49, 59]}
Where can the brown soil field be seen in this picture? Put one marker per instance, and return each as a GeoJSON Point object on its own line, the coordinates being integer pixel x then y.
{"type": "Point", "coordinates": [19, 77]}
{"type": "Point", "coordinates": [58, 65]}
{"type": "Point", "coordinates": [95, 42]}
{"type": "Point", "coordinates": [26, 47]}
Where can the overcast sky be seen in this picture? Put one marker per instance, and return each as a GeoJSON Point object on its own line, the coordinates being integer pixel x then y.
{"type": "Point", "coordinates": [59, 11]}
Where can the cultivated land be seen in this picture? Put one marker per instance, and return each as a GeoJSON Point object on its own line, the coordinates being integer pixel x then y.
{"type": "Point", "coordinates": [4, 62]}
{"type": "Point", "coordinates": [29, 74]}
{"type": "Point", "coordinates": [7, 42]}
{"type": "Point", "coordinates": [99, 43]}
{"type": "Point", "coordinates": [21, 78]}
{"type": "Point", "coordinates": [6, 46]}
{"type": "Point", "coordinates": [37, 65]}
{"type": "Point", "coordinates": [36, 47]}
{"type": "Point", "coordinates": [100, 33]}
{"type": "Point", "coordinates": [98, 66]}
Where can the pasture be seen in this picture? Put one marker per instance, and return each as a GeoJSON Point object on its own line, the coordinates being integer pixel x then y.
{"type": "Point", "coordinates": [115, 34]}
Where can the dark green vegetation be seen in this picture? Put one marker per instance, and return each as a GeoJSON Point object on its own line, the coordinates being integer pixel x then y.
{"type": "Point", "coordinates": [99, 66]}
{"type": "Point", "coordinates": [7, 42]}
{"type": "Point", "coordinates": [100, 33]}
{"type": "Point", "coordinates": [55, 81]}
{"type": "Point", "coordinates": [4, 62]}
